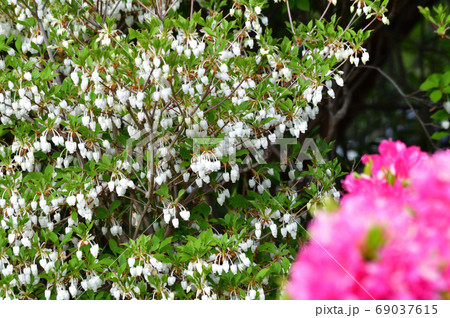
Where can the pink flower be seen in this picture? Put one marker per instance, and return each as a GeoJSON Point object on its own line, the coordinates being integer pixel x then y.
{"type": "Point", "coordinates": [394, 157]}
{"type": "Point", "coordinates": [390, 238]}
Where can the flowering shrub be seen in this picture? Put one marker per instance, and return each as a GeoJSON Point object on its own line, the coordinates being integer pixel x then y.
{"type": "Point", "coordinates": [437, 85]}
{"type": "Point", "coordinates": [138, 157]}
{"type": "Point", "coordinates": [390, 237]}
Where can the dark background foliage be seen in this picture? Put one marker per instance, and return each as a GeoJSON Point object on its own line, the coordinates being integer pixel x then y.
{"type": "Point", "coordinates": [370, 107]}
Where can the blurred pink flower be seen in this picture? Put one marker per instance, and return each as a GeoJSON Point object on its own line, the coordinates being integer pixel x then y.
{"type": "Point", "coordinates": [396, 158]}
{"type": "Point", "coordinates": [390, 238]}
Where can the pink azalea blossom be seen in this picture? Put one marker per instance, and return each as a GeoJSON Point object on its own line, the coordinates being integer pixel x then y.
{"type": "Point", "coordinates": [390, 237]}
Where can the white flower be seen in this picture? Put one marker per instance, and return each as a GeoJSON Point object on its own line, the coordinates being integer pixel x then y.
{"type": "Point", "coordinates": [185, 214]}
{"type": "Point", "coordinates": [131, 261]}
{"type": "Point", "coordinates": [331, 93]}
{"type": "Point", "coordinates": [365, 57]}
{"type": "Point", "coordinates": [339, 80]}
{"type": "Point", "coordinates": [260, 188]}
{"type": "Point", "coordinates": [167, 218]}
{"type": "Point", "coordinates": [292, 174]}
{"type": "Point", "coordinates": [27, 76]}
{"type": "Point", "coordinates": [171, 280]}
{"type": "Point", "coordinates": [84, 83]}
{"type": "Point", "coordinates": [273, 228]}
{"type": "Point", "coordinates": [94, 250]}
{"type": "Point", "coordinates": [73, 290]}
{"type": "Point", "coordinates": [26, 242]}
{"type": "Point", "coordinates": [156, 62]}
{"type": "Point", "coordinates": [175, 222]}
{"type": "Point", "coordinates": [74, 77]}
{"type": "Point", "coordinates": [199, 267]}
{"type": "Point", "coordinates": [11, 238]}
{"type": "Point", "coordinates": [223, 68]}
{"type": "Point", "coordinates": [447, 106]}
{"type": "Point", "coordinates": [226, 266]}
{"type": "Point", "coordinates": [71, 200]}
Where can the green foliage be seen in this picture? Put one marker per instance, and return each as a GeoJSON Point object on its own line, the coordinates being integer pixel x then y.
{"type": "Point", "coordinates": [437, 85]}
{"type": "Point", "coordinates": [151, 154]}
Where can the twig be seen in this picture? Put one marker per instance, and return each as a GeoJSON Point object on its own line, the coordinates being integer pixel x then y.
{"type": "Point", "coordinates": [290, 17]}
{"type": "Point", "coordinates": [325, 11]}
{"type": "Point", "coordinates": [405, 97]}
{"type": "Point", "coordinates": [148, 10]}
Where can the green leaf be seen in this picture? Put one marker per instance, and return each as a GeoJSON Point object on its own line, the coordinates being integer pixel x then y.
{"type": "Point", "coordinates": [133, 34]}
{"type": "Point", "coordinates": [276, 268]}
{"type": "Point", "coordinates": [48, 173]}
{"type": "Point", "coordinates": [439, 135]}
{"type": "Point", "coordinates": [445, 79]}
{"type": "Point", "coordinates": [53, 237]}
{"type": "Point", "coordinates": [101, 213]}
{"type": "Point", "coordinates": [285, 263]}
{"type": "Point", "coordinates": [238, 201]}
{"type": "Point", "coordinates": [164, 191]}
{"type": "Point", "coordinates": [114, 205]}
{"type": "Point", "coordinates": [114, 247]}
{"type": "Point", "coordinates": [162, 258]}
{"type": "Point", "coordinates": [440, 115]}
{"type": "Point", "coordinates": [32, 176]}
{"type": "Point", "coordinates": [106, 160]}
{"type": "Point", "coordinates": [203, 209]}
{"type": "Point", "coordinates": [431, 82]}
{"type": "Point", "coordinates": [19, 43]}
{"type": "Point", "coordinates": [263, 273]}
{"type": "Point", "coordinates": [436, 95]}
{"type": "Point", "coordinates": [180, 194]}
{"type": "Point", "coordinates": [66, 238]}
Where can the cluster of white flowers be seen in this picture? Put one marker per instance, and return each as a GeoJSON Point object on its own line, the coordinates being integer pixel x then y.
{"type": "Point", "coordinates": [267, 219]}
{"type": "Point", "coordinates": [222, 195]}
{"type": "Point", "coordinates": [70, 163]}
{"type": "Point", "coordinates": [364, 8]}
{"type": "Point", "coordinates": [204, 165]}
{"type": "Point", "coordinates": [170, 213]}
